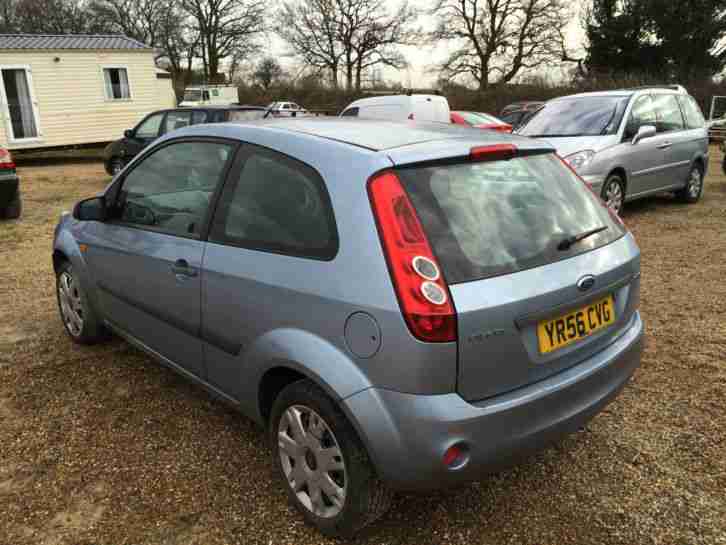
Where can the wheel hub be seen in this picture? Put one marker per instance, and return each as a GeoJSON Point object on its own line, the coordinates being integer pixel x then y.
{"type": "Point", "coordinates": [312, 461]}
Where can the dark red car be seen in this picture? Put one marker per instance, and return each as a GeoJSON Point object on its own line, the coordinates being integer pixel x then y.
{"type": "Point", "coordinates": [479, 120]}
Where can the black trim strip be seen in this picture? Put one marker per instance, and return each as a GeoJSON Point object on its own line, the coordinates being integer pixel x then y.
{"type": "Point", "coordinates": [204, 335]}
{"type": "Point", "coordinates": [159, 315]}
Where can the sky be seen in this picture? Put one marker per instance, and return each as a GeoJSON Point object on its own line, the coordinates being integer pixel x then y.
{"type": "Point", "coordinates": [423, 59]}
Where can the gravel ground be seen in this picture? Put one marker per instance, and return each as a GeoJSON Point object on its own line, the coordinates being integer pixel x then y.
{"type": "Point", "coordinates": [102, 446]}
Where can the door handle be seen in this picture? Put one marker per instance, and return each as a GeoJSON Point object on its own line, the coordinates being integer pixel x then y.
{"type": "Point", "coordinates": [181, 266]}
{"type": "Point", "coordinates": [664, 145]}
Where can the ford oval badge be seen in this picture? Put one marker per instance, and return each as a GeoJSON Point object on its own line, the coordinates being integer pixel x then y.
{"type": "Point", "coordinates": [586, 282]}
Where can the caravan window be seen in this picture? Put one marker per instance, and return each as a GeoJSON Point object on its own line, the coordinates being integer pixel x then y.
{"type": "Point", "coordinates": [116, 81]}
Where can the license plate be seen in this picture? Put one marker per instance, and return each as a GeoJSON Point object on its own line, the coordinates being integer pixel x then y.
{"type": "Point", "coordinates": [575, 325]}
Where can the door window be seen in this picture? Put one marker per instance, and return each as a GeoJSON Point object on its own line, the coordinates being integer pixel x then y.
{"type": "Point", "coordinates": [669, 113]}
{"type": "Point", "coordinates": [170, 189]}
{"type": "Point", "coordinates": [149, 127]}
{"type": "Point", "coordinates": [177, 120]}
{"type": "Point", "coordinates": [692, 112]}
{"type": "Point", "coordinates": [277, 204]}
{"type": "Point", "coordinates": [20, 103]}
{"type": "Point", "coordinates": [643, 113]}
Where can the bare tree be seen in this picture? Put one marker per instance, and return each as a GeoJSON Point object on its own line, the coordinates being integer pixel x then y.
{"type": "Point", "coordinates": [348, 36]}
{"type": "Point", "coordinates": [374, 35]}
{"type": "Point", "coordinates": [311, 30]}
{"type": "Point", "coordinates": [226, 28]}
{"type": "Point", "coordinates": [267, 71]}
{"type": "Point", "coordinates": [50, 16]}
{"type": "Point", "coordinates": [495, 40]}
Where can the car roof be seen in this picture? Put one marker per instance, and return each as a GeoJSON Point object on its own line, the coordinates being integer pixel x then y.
{"type": "Point", "coordinates": [370, 134]}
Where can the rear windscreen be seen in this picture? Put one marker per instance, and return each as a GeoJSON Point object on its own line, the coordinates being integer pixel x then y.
{"type": "Point", "coordinates": [491, 218]}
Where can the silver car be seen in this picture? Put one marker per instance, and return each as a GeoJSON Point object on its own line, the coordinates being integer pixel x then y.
{"type": "Point", "coordinates": [400, 306]}
{"type": "Point", "coordinates": [629, 144]}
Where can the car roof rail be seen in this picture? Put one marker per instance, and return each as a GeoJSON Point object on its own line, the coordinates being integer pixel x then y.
{"type": "Point", "coordinates": [670, 87]}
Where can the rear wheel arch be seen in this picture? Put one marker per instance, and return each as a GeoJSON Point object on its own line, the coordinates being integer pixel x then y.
{"type": "Point", "coordinates": [271, 384]}
{"type": "Point", "coordinates": [700, 163]}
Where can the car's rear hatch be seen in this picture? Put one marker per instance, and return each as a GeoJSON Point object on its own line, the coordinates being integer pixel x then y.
{"type": "Point", "coordinates": [528, 305]}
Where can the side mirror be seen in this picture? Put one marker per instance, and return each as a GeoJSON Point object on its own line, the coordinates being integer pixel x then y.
{"type": "Point", "coordinates": [129, 133]}
{"type": "Point", "coordinates": [645, 131]}
{"type": "Point", "coordinates": [93, 209]}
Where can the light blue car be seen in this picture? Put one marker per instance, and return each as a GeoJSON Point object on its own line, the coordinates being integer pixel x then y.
{"type": "Point", "coordinates": [402, 306]}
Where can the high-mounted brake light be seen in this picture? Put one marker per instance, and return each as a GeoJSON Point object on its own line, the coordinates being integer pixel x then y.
{"type": "Point", "coordinates": [6, 160]}
{"type": "Point", "coordinates": [422, 292]}
{"type": "Point", "coordinates": [495, 152]}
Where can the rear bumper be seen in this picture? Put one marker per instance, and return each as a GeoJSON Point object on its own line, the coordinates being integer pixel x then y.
{"type": "Point", "coordinates": [407, 435]}
{"type": "Point", "coordinates": [8, 189]}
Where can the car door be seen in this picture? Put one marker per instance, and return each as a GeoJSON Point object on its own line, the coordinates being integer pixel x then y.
{"type": "Point", "coordinates": [644, 161]}
{"type": "Point", "coordinates": [674, 140]}
{"type": "Point", "coordinates": [146, 260]}
{"type": "Point", "coordinates": [271, 239]}
{"type": "Point", "coordinates": [144, 134]}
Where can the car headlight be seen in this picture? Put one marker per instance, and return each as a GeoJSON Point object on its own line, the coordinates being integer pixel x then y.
{"type": "Point", "coordinates": [580, 159]}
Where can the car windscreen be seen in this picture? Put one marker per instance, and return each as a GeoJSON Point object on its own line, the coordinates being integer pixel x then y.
{"type": "Point", "coordinates": [578, 116]}
{"type": "Point", "coordinates": [192, 95]}
{"type": "Point", "coordinates": [491, 218]}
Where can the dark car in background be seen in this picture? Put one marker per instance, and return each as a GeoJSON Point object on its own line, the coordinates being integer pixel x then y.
{"type": "Point", "coordinates": [117, 154]}
{"type": "Point", "coordinates": [10, 203]}
{"type": "Point", "coordinates": [518, 113]}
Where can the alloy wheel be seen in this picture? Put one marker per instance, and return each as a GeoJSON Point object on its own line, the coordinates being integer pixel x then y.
{"type": "Point", "coordinates": [71, 307]}
{"type": "Point", "coordinates": [312, 461]}
{"type": "Point", "coordinates": [694, 183]}
{"type": "Point", "coordinates": [614, 196]}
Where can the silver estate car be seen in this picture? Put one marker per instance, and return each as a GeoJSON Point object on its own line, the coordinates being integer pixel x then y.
{"type": "Point", "coordinates": [631, 143]}
{"type": "Point", "coordinates": [401, 306]}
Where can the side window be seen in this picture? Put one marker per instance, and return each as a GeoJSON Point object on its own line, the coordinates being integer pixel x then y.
{"type": "Point", "coordinates": [199, 116]}
{"type": "Point", "coordinates": [149, 127]}
{"type": "Point", "coordinates": [692, 112]}
{"type": "Point", "coordinates": [215, 92]}
{"type": "Point", "coordinates": [177, 120]}
{"type": "Point", "coordinates": [669, 113]}
{"type": "Point", "coordinates": [170, 190]}
{"type": "Point", "coordinates": [350, 112]}
{"type": "Point", "coordinates": [277, 204]}
{"type": "Point", "coordinates": [116, 83]}
{"type": "Point", "coordinates": [642, 113]}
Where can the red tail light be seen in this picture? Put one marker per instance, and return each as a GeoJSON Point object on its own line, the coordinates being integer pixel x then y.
{"type": "Point", "coordinates": [422, 292]}
{"type": "Point", "coordinates": [6, 160]}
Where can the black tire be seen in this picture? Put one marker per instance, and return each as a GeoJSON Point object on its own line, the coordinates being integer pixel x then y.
{"type": "Point", "coordinates": [366, 497]}
{"type": "Point", "coordinates": [91, 330]}
{"type": "Point", "coordinates": [115, 165]}
{"type": "Point", "coordinates": [14, 209]}
{"type": "Point", "coordinates": [613, 185]}
{"type": "Point", "coordinates": [693, 189]}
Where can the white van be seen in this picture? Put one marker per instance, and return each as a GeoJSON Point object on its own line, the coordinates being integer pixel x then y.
{"type": "Point", "coordinates": [210, 94]}
{"type": "Point", "coordinates": [401, 108]}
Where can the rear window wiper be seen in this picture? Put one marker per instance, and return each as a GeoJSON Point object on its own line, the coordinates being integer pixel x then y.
{"type": "Point", "coordinates": [567, 243]}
